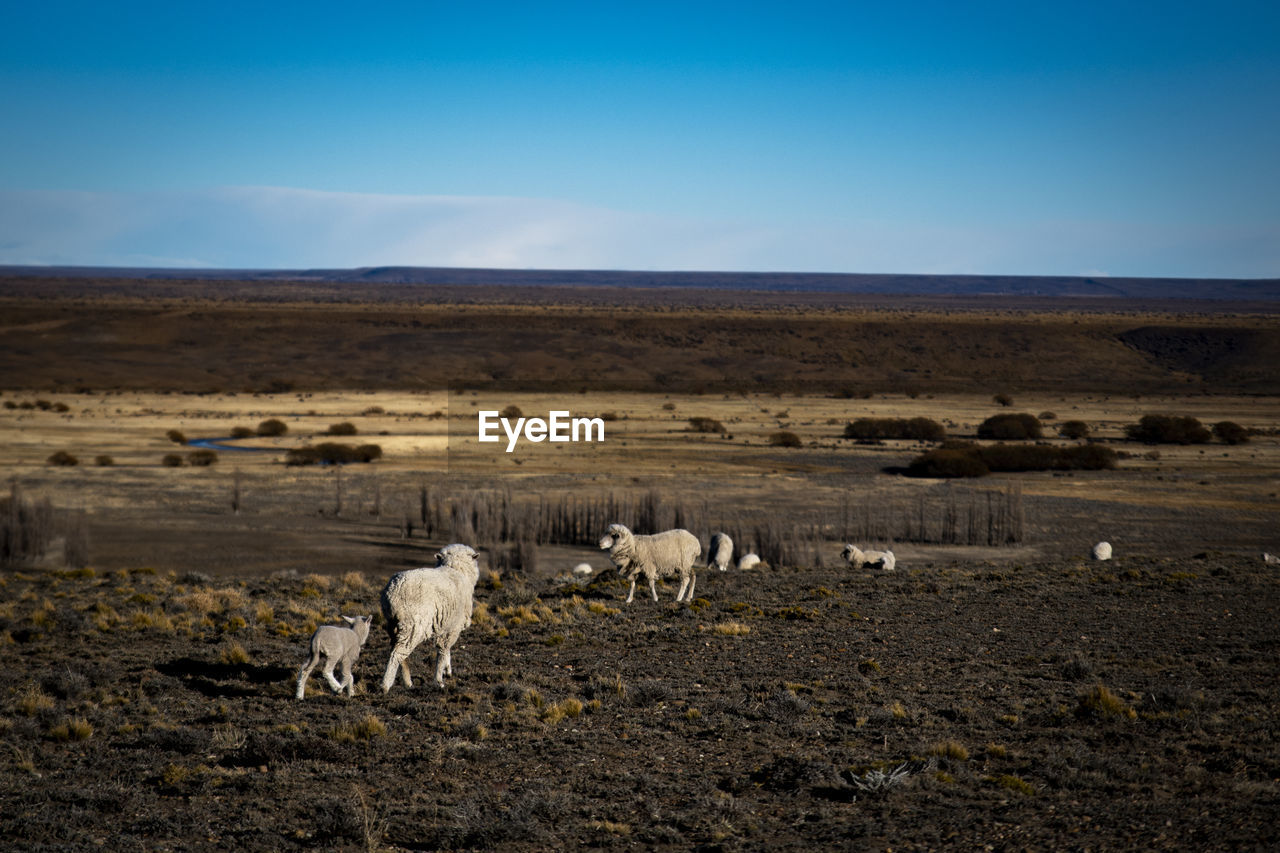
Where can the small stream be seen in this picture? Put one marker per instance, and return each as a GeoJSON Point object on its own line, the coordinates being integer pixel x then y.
{"type": "Point", "coordinates": [221, 444]}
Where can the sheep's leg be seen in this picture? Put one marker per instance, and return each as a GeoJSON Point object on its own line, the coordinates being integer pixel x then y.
{"type": "Point", "coordinates": [334, 684]}
{"type": "Point", "coordinates": [305, 673]}
{"type": "Point", "coordinates": [632, 594]}
{"type": "Point", "coordinates": [693, 581]}
{"type": "Point", "coordinates": [348, 680]}
{"type": "Point", "coordinates": [684, 584]}
{"type": "Point", "coordinates": [443, 664]}
{"type": "Point", "coordinates": [653, 587]}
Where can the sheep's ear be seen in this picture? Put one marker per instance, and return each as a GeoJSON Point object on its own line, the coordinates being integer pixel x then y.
{"type": "Point", "coordinates": [348, 620]}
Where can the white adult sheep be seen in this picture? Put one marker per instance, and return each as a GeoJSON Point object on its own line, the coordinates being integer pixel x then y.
{"type": "Point", "coordinates": [720, 554]}
{"type": "Point", "coordinates": [748, 561]}
{"type": "Point", "coordinates": [429, 603]}
{"type": "Point", "coordinates": [654, 556]}
{"type": "Point", "coordinates": [583, 569]}
{"type": "Point", "coordinates": [337, 645]}
{"type": "Point", "coordinates": [1102, 551]}
{"type": "Point", "coordinates": [857, 558]}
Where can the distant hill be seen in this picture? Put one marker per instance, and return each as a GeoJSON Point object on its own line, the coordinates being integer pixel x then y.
{"type": "Point", "coordinates": [1235, 290]}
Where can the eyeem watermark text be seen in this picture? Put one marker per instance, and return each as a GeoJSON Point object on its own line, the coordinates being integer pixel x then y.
{"type": "Point", "coordinates": [559, 426]}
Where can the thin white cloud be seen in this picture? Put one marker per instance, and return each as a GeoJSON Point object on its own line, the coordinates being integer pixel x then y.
{"type": "Point", "coordinates": [273, 227]}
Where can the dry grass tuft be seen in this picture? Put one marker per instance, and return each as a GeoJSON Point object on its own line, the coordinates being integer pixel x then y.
{"type": "Point", "coordinates": [731, 629]}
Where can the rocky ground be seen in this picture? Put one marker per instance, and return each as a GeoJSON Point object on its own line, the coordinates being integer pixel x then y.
{"type": "Point", "coordinates": [1058, 704]}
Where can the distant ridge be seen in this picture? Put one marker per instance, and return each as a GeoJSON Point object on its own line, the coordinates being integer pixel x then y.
{"type": "Point", "coordinates": [851, 283]}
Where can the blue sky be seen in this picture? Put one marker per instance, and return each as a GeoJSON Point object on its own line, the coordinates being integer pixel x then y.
{"type": "Point", "coordinates": [998, 138]}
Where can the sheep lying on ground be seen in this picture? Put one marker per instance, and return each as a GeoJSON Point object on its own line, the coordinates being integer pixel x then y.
{"type": "Point", "coordinates": [749, 561]}
{"type": "Point", "coordinates": [336, 644]}
{"type": "Point", "coordinates": [429, 603]}
{"type": "Point", "coordinates": [857, 558]}
{"type": "Point", "coordinates": [583, 569]}
{"type": "Point", "coordinates": [1271, 559]}
{"type": "Point", "coordinates": [1102, 551]}
{"type": "Point", "coordinates": [720, 554]}
{"type": "Point", "coordinates": [654, 556]}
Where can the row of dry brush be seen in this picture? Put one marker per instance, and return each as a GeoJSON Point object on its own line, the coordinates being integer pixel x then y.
{"type": "Point", "coordinates": [513, 526]}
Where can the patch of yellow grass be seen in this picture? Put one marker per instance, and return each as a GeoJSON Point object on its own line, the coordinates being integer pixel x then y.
{"type": "Point", "coordinates": [76, 728]}
{"type": "Point", "coordinates": [952, 749]}
{"type": "Point", "coordinates": [731, 629]}
{"type": "Point", "coordinates": [602, 609]}
{"type": "Point", "coordinates": [233, 653]}
{"type": "Point", "coordinates": [32, 700]}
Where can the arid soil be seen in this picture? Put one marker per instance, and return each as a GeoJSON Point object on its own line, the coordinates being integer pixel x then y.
{"type": "Point", "coordinates": [1007, 693]}
{"type": "Point", "coordinates": [1049, 705]}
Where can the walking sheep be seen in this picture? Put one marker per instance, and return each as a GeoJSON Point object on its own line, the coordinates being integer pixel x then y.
{"type": "Point", "coordinates": [1102, 551]}
{"type": "Point", "coordinates": [857, 558]}
{"type": "Point", "coordinates": [720, 554]}
{"type": "Point", "coordinates": [654, 556]}
{"type": "Point", "coordinates": [429, 603]}
{"type": "Point", "coordinates": [336, 644]}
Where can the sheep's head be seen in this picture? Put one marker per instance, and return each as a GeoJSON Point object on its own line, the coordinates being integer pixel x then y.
{"type": "Point", "coordinates": [852, 554]}
{"type": "Point", "coordinates": [458, 555]}
{"type": "Point", "coordinates": [359, 624]}
{"type": "Point", "coordinates": [616, 534]}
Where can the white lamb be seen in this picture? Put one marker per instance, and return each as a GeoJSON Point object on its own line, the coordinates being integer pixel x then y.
{"type": "Point", "coordinates": [429, 603]}
{"type": "Point", "coordinates": [583, 569]}
{"type": "Point", "coordinates": [1270, 559]}
{"type": "Point", "coordinates": [1102, 551]}
{"type": "Point", "coordinates": [720, 554]}
{"type": "Point", "coordinates": [748, 561]}
{"type": "Point", "coordinates": [654, 556]}
{"type": "Point", "coordinates": [857, 558]}
{"type": "Point", "coordinates": [337, 645]}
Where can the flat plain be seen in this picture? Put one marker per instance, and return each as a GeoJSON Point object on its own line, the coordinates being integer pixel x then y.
{"type": "Point", "coordinates": [1003, 691]}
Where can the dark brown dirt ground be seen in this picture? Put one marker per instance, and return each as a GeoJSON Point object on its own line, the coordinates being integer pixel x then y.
{"type": "Point", "coordinates": [131, 720]}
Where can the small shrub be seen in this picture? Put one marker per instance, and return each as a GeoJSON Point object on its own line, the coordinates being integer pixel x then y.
{"type": "Point", "coordinates": [1010, 427]}
{"type": "Point", "coordinates": [1073, 429]}
{"type": "Point", "coordinates": [63, 459]}
{"type": "Point", "coordinates": [272, 427]}
{"type": "Point", "coordinates": [700, 424]}
{"type": "Point", "coordinates": [608, 417]}
{"type": "Point", "coordinates": [75, 728]}
{"type": "Point", "coordinates": [732, 629]}
{"type": "Point", "coordinates": [512, 412]}
{"type": "Point", "coordinates": [234, 653]}
{"type": "Point", "coordinates": [1167, 429]}
{"type": "Point", "coordinates": [171, 460]}
{"type": "Point", "coordinates": [202, 458]}
{"type": "Point", "coordinates": [332, 453]}
{"type": "Point", "coordinates": [784, 438]}
{"type": "Point", "coordinates": [952, 749]}
{"type": "Point", "coordinates": [344, 428]}
{"type": "Point", "coordinates": [1230, 432]}
{"type": "Point", "coordinates": [1002, 400]}
{"type": "Point", "coordinates": [176, 436]}
{"type": "Point", "coordinates": [103, 461]}
{"type": "Point", "coordinates": [1048, 416]}
{"type": "Point", "coordinates": [1101, 702]}
{"type": "Point", "coordinates": [1015, 784]}
{"type": "Point", "coordinates": [242, 432]}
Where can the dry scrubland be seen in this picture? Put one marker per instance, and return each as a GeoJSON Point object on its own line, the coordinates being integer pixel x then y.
{"type": "Point", "coordinates": [1005, 693]}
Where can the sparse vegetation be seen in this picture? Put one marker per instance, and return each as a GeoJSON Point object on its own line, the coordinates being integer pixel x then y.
{"type": "Point", "coordinates": [911, 429]}
{"type": "Point", "coordinates": [1230, 432]}
{"type": "Point", "coordinates": [1168, 429]}
{"type": "Point", "coordinates": [332, 453]}
{"type": "Point", "coordinates": [1073, 429]}
{"type": "Point", "coordinates": [272, 427]}
{"type": "Point", "coordinates": [62, 459]}
{"type": "Point", "coordinates": [344, 428]}
{"type": "Point", "coordinates": [202, 458]}
{"type": "Point", "coordinates": [1011, 427]}
{"type": "Point", "coordinates": [701, 424]}
{"type": "Point", "coordinates": [176, 436]}
{"type": "Point", "coordinates": [784, 438]}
